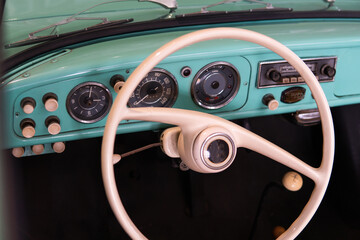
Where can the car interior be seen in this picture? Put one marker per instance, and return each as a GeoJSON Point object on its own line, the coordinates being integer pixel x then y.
{"type": "Point", "coordinates": [165, 119]}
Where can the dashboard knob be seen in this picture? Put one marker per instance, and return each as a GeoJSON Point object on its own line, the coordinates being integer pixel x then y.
{"type": "Point", "coordinates": [28, 131]}
{"type": "Point", "coordinates": [53, 125]}
{"type": "Point", "coordinates": [328, 70]}
{"type": "Point", "coordinates": [54, 128]}
{"type": "Point", "coordinates": [18, 152]}
{"type": "Point", "coordinates": [118, 85]}
{"type": "Point", "coordinates": [51, 104]}
{"type": "Point", "coordinates": [292, 181]}
{"type": "Point", "coordinates": [28, 105]}
{"type": "Point", "coordinates": [38, 149]}
{"type": "Point", "coordinates": [58, 147]}
{"type": "Point", "coordinates": [117, 81]}
{"type": "Point", "coordinates": [270, 101]}
{"type": "Point", "coordinates": [273, 74]}
{"type": "Point", "coordinates": [27, 128]}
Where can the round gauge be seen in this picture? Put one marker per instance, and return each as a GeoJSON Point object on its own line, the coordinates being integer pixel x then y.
{"type": "Point", "coordinates": [89, 102]}
{"type": "Point", "coordinates": [215, 85]}
{"type": "Point", "coordinates": [157, 89]}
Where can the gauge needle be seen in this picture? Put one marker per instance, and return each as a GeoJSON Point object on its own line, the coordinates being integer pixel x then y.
{"type": "Point", "coordinates": [138, 102]}
{"type": "Point", "coordinates": [90, 92]}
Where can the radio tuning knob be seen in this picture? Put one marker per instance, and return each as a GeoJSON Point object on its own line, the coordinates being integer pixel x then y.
{"type": "Point", "coordinates": [270, 101]}
{"type": "Point", "coordinates": [273, 74]}
{"type": "Point", "coordinates": [328, 70]}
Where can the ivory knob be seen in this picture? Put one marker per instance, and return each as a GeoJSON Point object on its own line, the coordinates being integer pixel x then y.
{"type": "Point", "coordinates": [28, 108]}
{"type": "Point", "coordinates": [292, 181]}
{"type": "Point", "coordinates": [118, 85]}
{"type": "Point", "coordinates": [18, 152]}
{"type": "Point", "coordinates": [270, 101]}
{"type": "Point", "coordinates": [273, 105]}
{"type": "Point", "coordinates": [54, 128]}
{"type": "Point", "coordinates": [28, 131]}
{"type": "Point", "coordinates": [51, 104]}
{"type": "Point", "coordinates": [28, 105]}
{"type": "Point", "coordinates": [58, 147]}
{"type": "Point", "coordinates": [38, 149]}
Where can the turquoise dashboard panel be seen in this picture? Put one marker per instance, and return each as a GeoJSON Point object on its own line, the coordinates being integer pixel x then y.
{"type": "Point", "coordinates": [60, 72]}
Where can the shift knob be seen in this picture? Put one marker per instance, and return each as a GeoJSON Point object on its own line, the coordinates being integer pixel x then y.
{"type": "Point", "coordinates": [292, 181]}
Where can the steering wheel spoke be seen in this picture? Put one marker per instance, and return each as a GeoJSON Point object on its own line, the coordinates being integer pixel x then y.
{"type": "Point", "coordinates": [260, 145]}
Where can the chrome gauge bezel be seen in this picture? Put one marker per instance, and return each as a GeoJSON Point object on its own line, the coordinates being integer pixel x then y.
{"type": "Point", "coordinates": [175, 90]}
{"type": "Point", "coordinates": [232, 93]}
{"type": "Point", "coordinates": [107, 94]}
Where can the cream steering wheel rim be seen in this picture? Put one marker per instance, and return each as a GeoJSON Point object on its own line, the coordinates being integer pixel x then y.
{"type": "Point", "coordinates": [242, 137]}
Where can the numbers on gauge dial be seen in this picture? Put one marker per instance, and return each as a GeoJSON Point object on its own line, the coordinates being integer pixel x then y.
{"type": "Point", "coordinates": [158, 89]}
{"type": "Point", "coordinates": [89, 102]}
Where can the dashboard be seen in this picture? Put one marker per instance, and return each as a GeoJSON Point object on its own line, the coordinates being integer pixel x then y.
{"type": "Point", "coordinates": [66, 95]}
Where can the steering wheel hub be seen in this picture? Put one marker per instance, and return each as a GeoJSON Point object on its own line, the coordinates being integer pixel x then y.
{"type": "Point", "coordinates": [215, 148]}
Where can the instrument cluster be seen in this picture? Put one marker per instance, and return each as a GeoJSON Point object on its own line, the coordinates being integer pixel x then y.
{"type": "Point", "coordinates": [213, 87]}
{"type": "Point", "coordinates": [72, 108]}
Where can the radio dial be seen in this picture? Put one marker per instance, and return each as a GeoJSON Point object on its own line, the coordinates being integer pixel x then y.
{"type": "Point", "coordinates": [328, 70]}
{"type": "Point", "coordinates": [274, 75]}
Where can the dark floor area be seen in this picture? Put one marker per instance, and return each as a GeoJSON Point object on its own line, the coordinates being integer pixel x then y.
{"type": "Point", "coordinates": [61, 196]}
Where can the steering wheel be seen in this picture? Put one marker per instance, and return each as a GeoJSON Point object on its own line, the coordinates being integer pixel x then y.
{"type": "Point", "coordinates": [195, 141]}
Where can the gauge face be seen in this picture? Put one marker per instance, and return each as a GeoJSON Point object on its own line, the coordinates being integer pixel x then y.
{"type": "Point", "coordinates": [158, 89]}
{"type": "Point", "coordinates": [215, 85]}
{"type": "Point", "coordinates": [89, 102]}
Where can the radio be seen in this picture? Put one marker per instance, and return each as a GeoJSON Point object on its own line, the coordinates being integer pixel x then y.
{"type": "Point", "coordinates": [281, 73]}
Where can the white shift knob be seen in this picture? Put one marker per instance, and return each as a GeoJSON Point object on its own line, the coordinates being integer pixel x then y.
{"type": "Point", "coordinates": [292, 181]}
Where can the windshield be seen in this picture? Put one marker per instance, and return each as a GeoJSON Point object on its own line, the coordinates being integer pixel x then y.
{"type": "Point", "coordinates": [31, 22]}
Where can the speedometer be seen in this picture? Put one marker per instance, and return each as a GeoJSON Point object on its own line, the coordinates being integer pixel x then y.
{"type": "Point", "coordinates": [158, 89]}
